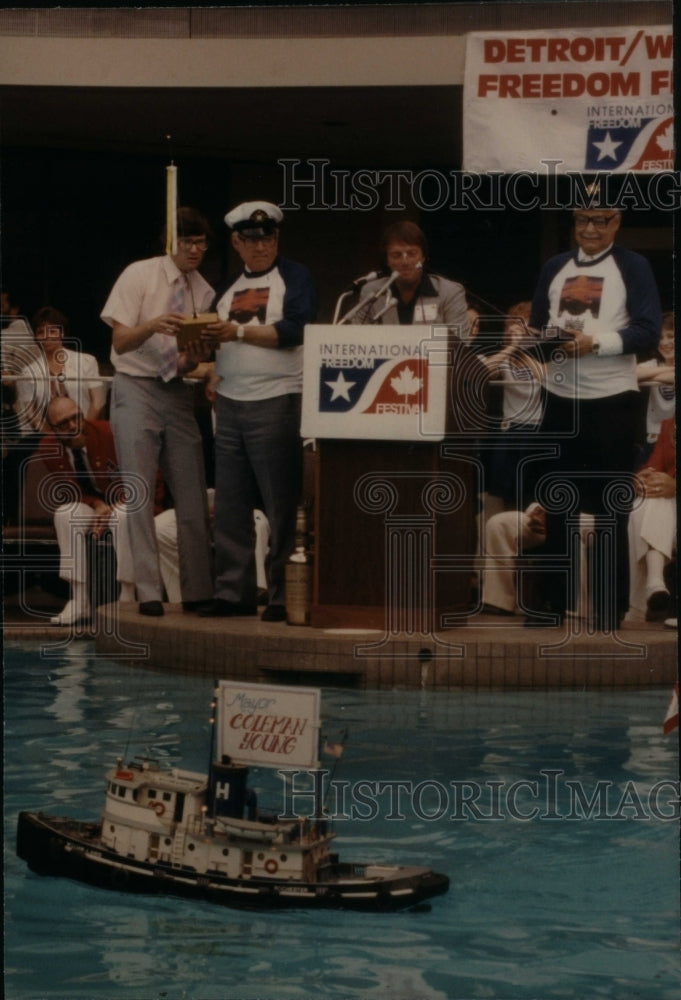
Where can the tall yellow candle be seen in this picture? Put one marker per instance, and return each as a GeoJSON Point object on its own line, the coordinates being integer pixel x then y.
{"type": "Point", "coordinates": [171, 209]}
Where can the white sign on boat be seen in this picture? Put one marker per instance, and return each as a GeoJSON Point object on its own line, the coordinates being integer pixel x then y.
{"type": "Point", "coordinates": [268, 725]}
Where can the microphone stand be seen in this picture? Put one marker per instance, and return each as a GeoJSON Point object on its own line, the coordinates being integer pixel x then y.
{"type": "Point", "coordinates": [364, 304]}
{"type": "Point", "coordinates": [389, 303]}
{"type": "Point", "coordinates": [339, 303]}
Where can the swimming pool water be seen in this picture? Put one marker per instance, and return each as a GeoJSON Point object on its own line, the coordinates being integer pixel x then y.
{"type": "Point", "coordinates": [552, 813]}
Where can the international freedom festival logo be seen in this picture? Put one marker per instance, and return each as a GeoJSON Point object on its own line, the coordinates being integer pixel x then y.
{"type": "Point", "coordinates": [384, 386]}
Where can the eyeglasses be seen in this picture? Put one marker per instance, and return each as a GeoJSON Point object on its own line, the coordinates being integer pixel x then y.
{"type": "Point", "coordinates": [49, 331]}
{"type": "Point", "coordinates": [186, 243]}
{"type": "Point", "coordinates": [404, 254]}
{"type": "Point", "coordinates": [252, 241]}
{"type": "Point", "coordinates": [597, 221]}
{"type": "Point", "coordinates": [61, 425]}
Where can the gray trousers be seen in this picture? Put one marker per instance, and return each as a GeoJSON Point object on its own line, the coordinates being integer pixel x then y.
{"type": "Point", "coordinates": [154, 427]}
{"type": "Point", "coordinates": [258, 465]}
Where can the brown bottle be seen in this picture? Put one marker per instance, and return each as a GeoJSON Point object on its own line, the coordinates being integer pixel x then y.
{"type": "Point", "coordinates": [299, 576]}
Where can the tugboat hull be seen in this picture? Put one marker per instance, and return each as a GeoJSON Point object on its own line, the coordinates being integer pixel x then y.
{"type": "Point", "coordinates": [58, 846]}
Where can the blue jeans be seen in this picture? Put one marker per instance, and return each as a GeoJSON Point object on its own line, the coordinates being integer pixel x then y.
{"type": "Point", "coordinates": [258, 464]}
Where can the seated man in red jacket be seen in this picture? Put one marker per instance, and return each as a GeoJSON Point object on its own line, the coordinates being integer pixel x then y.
{"type": "Point", "coordinates": [85, 492]}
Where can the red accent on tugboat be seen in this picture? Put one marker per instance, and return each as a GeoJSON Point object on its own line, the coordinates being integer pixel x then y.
{"type": "Point", "coordinates": [271, 866]}
{"type": "Point", "coordinates": [124, 775]}
{"type": "Point", "coordinates": [158, 807]}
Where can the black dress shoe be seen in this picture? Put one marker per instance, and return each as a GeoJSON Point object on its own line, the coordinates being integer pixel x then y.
{"type": "Point", "coordinates": [154, 609]}
{"type": "Point", "coordinates": [218, 608]}
{"type": "Point", "coordinates": [274, 613]}
{"type": "Point", "coordinates": [197, 606]}
{"type": "Point", "coordinates": [657, 607]}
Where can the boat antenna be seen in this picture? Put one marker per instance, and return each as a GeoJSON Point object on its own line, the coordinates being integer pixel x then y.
{"type": "Point", "coordinates": [334, 750]}
{"type": "Point", "coordinates": [212, 721]}
{"type": "Point", "coordinates": [136, 708]}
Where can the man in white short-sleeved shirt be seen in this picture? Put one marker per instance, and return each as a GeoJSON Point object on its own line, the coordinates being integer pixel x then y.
{"type": "Point", "coordinates": [152, 410]}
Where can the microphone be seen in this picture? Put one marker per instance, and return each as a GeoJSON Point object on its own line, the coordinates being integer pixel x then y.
{"type": "Point", "coordinates": [358, 282]}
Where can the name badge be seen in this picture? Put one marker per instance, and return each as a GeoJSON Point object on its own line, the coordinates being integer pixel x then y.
{"type": "Point", "coordinates": [428, 312]}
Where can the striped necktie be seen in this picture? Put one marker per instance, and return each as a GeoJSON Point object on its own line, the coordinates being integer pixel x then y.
{"type": "Point", "coordinates": [167, 366]}
{"type": "Point", "coordinates": [85, 480]}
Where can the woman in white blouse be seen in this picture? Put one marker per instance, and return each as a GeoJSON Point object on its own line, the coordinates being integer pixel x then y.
{"type": "Point", "coordinates": [658, 375]}
{"type": "Point", "coordinates": [57, 371]}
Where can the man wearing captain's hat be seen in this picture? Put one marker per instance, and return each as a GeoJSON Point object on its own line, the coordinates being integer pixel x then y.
{"type": "Point", "coordinates": [258, 385]}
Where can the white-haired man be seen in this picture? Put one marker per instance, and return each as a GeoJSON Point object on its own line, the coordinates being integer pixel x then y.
{"type": "Point", "coordinates": [604, 299]}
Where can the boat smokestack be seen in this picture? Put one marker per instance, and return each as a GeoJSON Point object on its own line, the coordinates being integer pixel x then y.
{"type": "Point", "coordinates": [227, 789]}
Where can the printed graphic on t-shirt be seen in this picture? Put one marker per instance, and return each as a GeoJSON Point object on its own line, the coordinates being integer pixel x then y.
{"type": "Point", "coordinates": [249, 304]}
{"type": "Point", "coordinates": [522, 373]}
{"type": "Point", "coordinates": [580, 301]}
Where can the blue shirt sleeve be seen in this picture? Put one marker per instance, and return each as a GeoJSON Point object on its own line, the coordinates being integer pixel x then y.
{"type": "Point", "coordinates": [300, 303]}
{"type": "Point", "coordinates": [642, 333]}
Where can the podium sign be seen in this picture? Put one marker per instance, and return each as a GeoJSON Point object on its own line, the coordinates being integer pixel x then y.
{"type": "Point", "coordinates": [375, 382]}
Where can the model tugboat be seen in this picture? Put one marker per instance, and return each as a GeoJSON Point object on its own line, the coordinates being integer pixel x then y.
{"type": "Point", "coordinates": [202, 836]}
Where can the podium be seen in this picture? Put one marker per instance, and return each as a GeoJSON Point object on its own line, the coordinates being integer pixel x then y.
{"type": "Point", "coordinates": [395, 482]}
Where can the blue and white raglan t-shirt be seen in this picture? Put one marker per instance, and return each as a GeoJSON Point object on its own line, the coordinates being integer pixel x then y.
{"type": "Point", "coordinates": [613, 297]}
{"type": "Point", "coordinates": [284, 297]}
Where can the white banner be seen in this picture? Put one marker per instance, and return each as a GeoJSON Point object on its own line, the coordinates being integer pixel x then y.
{"type": "Point", "coordinates": [375, 382]}
{"type": "Point", "coordinates": [596, 99]}
{"type": "Point", "coordinates": [267, 725]}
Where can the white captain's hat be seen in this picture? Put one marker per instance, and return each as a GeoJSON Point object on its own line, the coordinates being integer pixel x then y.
{"type": "Point", "coordinates": [254, 218]}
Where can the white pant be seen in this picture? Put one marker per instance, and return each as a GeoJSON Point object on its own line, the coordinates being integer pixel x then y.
{"type": "Point", "coordinates": [506, 535]}
{"type": "Point", "coordinates": [652, 526]}
{"type": "Point", "coordinates": [166, 540]}
{"type": "Point", "coordinates": [72, 524]}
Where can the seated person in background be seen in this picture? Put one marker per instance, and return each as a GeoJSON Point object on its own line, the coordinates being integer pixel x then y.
{"type": "Point", "coordinates": [661, 397]}
{"type": "Point", "coordinates": [473, 323]}
{"type": "Point", "coordinates": [510, 480]}
{"type": "Point", "coordinates": [512, 533]}
{"type": "Point", "coordinates": [81, 459]}
{"type": "Point", "coordinates": [421, 297]}
{"type": "Point", "coordinates": [17, 349]}
{"type": "Point", "coordinates": [165, 524]}
{"type": "Point", "coordinates": [507, 535]}
{"type": "Point", "coordinates": [652, 531]}
{"type": "Point", "coordinates": [56, 371]}
{"type": "Point", "coordinates": [17, 344]}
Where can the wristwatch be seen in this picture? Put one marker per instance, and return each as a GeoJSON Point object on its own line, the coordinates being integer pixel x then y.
{"type": "Point", "coordinates": [240, 333]}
